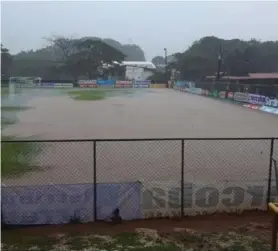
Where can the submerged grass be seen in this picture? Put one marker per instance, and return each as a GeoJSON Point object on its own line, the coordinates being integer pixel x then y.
{"type": "Point", "coordinates": [16, 158]}
{"type": "Point", "coordinates": [13, 108]}
{"type": "Point", "coordinates": [97, 94]}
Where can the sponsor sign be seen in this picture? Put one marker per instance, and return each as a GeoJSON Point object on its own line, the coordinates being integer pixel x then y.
{"type": "Point", "coordinates": [57, 204]}
{"type": "Point", "coordinates": [196, 91]}
{"type": "Point", "coordinates": [180, 83]}
{"type": "Point", "coordinates": [123, 84]}
{"type": "Point", "coordinates": [222, 94]}
{"type": "Point", "coordinates": [241, 96]}
{"type": "Point", "coordinates": [87, 82]}
{"type": "Point", "coordinates": [215, 94]}
{"type": "Point", "coordinates": [205, 92]}
{"type": "Point", "coordinates": [106, 83]}
{"type": "Point", "coordinates": [255, 107]}
{"type": "Point", "coordinates": [63, 85]}
{"type": "Point", "coordinates": [47, 85]}
{"type": "Point", "coordinates": [269, 109]}
{"type": "Point", "coordinates": [256, 99]}
{"type": "Point", "coordinates": [230, 95]}
{"type": "Point", "coordinates": [271, 102]}
{"type": "Point", "coordinates": [158, 85]}
{"type": "Point", "coordinates": [164, 199]}
{"type": "Point", "coordinates": [142, 83]}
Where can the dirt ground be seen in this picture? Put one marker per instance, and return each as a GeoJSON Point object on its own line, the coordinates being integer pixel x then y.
{"type": "Point", "coordinates": [258, 224]}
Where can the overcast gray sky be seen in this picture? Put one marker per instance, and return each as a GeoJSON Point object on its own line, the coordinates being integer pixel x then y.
{"type": "Point", "coordinates": [151, 25]}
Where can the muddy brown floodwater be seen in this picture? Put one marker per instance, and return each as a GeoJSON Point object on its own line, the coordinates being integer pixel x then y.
{"type": "Point", "coordinates": [160, 113]}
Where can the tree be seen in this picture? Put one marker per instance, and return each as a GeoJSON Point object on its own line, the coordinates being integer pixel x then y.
{"type": "Point", "coordinates": [51, 62]}
{"type": "Point", "coordinates": [6, 63]}
{"type": "Point", "coordinates": [237, 57]}
{"type": "Point", "coordinates": [86, 57]}
{"type": "Point", "coordinates": [158, 60]}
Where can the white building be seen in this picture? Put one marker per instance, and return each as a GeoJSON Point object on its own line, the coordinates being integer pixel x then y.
{"type": "Point", "coordinates": [138, 70]}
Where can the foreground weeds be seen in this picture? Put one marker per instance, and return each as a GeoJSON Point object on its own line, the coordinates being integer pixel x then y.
{"type": "Point", "coordinates": [145, 239]}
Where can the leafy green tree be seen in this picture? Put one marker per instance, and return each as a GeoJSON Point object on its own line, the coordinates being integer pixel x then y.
{"type": "Point", "coordinates": [238, 57]}
{"type": "Point", "coordinates": [6, 63]}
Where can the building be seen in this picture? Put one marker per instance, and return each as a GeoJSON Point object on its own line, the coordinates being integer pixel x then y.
{"type": "Point", "coordinates": [257, 83]}
{"type": "Point", "coordinates": [138, 70]}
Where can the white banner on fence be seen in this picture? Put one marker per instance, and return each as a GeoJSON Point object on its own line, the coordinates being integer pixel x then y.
{"type": "Point", "coordinates": [58, 204]}
{"type": "Point", "coordinates": [164, 199]}
{"type": "Point", "coordinates": [241, 96]}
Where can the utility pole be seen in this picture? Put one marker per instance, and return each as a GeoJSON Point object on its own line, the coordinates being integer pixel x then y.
{"type": "Point", "coordinates": [219, 62]}
{"type": "Point", "coordinates": [165, 67]}
{"type": "Point", "coordinates": [165, 51]}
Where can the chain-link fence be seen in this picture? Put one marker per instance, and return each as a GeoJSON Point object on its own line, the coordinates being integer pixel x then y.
{"type": "Point", "coordinates": [51, 182]}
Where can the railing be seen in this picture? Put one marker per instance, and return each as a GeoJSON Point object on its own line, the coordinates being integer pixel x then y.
{"type": "Point", "coordinates": [58, 181]}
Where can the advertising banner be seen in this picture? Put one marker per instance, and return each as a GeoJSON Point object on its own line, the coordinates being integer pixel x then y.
{"type": "Point", "coordinates": [123, 84]}
{"type": "Point", "coordinates": [269, 109]}
{"type": "Point", "coordinates": [215, 94]}
{"type": "Point", "coordinates": [241, 97]}
{"type": "Point", "coordinates": [57, 204]}
{"type": "Point", "coordinates": [63, 85]}
{"type": "Point", "coordinates": [196, 91]}
{"type": "Point", "coordinates": [47, 85]}
{"type": "Point", "coordinates": [222, 94]}
{"type": "Point", "coordinates": [160, 199]}
{"type": "Point", "coordinates": [159, 85]}
{"type": "Point", "coordinates": [205, 92]}
{"type": "Point", "coordinates": [254, 107]}
{"type": "Point", "coordinates": [271, 102]}
{"type": "Point", "coordinates": [106, 83]}
{"type": "Point", "coordinates": [230, 95]}
{"type": "Point", "coordinates": [180, 83]}
{"type": "Point", "coordinates": [142, 84]}
{"type": "Point", "coordinates": [256, 99]}
{"type": "Point", "coordinates": [87, 83]}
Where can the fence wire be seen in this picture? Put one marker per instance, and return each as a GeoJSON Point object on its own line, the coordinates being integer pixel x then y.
{"type": "Point", "coordinates": [148, 178]}
{"type": "Point", "coordinates": [235, 168]}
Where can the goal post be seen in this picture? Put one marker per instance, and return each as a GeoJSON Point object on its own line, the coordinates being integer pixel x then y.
{"type": "Point", "coordinates": [24, 81]}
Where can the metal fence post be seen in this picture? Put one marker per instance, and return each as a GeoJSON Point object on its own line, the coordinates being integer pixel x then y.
{"type": "Point", "coordinates": [95, 181]}
{"type": "Point", "coordinates": [182, 178]}
{"type": "Point", "coordinates": [270, 172]}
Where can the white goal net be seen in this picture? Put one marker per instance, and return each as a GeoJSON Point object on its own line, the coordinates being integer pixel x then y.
{"type": "Point", "coordinates": [24, 81]}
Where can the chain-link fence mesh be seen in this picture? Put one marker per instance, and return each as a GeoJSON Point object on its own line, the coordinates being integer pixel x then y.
{"type": "Point", "coordinates": [47, 182]}
{"type": "Point", "coordinates": [57, 182]}
{"type": "Point", "coordinates": [154, 165]}
{"type": "Point", "coordinates": [274, 174]}
{"type": "Point", "coordinates": [225, 175]}
{"type": "Point", "coordinates": [47, 163]}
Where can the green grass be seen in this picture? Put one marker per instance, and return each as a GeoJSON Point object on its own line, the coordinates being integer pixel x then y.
{"type": "Point", "coordinates": [5, 91]}
{"type": "Point", "coordinates": [97, 94]}
{"type": "Point", "coordinates": [133, 241]}
{"type": "Point", "coordinates": [13, 108]}
{"type": "Point", "coordinates": [16, 158]}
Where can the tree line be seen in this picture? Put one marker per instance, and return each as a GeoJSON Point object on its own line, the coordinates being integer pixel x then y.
{"type": "Point", "coordinates": [69, 59]}
{"type": "Point", "coordinates": [237, 58]}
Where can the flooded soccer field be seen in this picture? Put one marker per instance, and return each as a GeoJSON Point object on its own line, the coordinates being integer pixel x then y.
{"type": "Point", "coordinates": [150, 113]}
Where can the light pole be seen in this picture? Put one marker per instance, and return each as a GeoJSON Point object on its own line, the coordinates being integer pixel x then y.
{"type": "Point", "coordinates": [165, 51]}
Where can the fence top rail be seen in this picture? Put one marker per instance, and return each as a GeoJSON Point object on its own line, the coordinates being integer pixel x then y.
{"type": "Point", "coordinates": [132, 139]}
